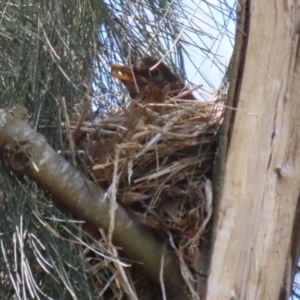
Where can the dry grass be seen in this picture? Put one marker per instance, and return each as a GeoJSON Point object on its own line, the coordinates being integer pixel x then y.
{"type": "Point", "coordinates": [160, 170]}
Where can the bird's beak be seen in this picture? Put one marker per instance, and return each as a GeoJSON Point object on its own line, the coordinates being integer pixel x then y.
{"type": "Point", "coordinates": [126, 74]}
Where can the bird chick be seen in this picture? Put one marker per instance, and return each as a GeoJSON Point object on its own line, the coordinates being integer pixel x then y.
{"type": "Point", "coordinates": [141, 74]}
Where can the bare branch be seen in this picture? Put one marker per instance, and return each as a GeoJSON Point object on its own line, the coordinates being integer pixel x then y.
{"type": "Point", "coordinates": [28, 152]}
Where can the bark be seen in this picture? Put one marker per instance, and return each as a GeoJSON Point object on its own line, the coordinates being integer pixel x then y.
{"type": "Point", "coordinates": [28, 152]}
{"type": "Point", "coordinates": [254, 219]}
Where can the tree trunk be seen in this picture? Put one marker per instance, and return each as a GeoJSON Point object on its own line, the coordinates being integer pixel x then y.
{"type": "Point", "coordinates": [254, 219]}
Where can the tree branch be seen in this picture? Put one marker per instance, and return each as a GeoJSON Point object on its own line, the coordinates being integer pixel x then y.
{"type": "Point", "coordinates": [28, 152]}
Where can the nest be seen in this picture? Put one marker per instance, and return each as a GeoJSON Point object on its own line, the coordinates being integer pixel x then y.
{"type": "Point", "coordinates": [159, 164]}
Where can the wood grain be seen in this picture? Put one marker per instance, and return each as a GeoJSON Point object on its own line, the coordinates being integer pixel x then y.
{"type": "Point", "coordinates": [262, 179]}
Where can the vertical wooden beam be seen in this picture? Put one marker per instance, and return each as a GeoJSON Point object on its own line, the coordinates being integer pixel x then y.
{"type": "Point", "coordinates": [262, 176]}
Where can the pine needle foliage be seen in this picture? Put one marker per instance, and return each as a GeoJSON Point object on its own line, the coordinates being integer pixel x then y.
{"type": "Point", "coordinates": [55, 59]}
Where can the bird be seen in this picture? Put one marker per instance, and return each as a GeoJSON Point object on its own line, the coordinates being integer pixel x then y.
{"type": "Point", "coordinates": [136, 113]}
{"type": "Point", "coordinates": [149, 70]}
{"type": "Point", "coordinates": [147, 81]}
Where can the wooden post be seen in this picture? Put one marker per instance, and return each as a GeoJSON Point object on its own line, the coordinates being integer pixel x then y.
{"type": "Point", "coordinates": [262, 178]}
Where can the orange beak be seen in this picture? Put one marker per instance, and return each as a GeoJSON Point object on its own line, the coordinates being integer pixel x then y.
{"type": "Point", "coordinates": [126, 74]}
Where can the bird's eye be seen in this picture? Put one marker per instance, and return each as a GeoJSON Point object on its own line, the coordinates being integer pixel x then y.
{"type": "Point", "coordinates": [154, 73]}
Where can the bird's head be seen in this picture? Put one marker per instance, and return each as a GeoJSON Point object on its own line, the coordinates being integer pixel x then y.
{"type": "Point", "coordinates": [139, 75]}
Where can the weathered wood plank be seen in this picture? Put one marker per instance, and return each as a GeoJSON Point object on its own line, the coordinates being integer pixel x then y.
{"type": "Point", "coordinates": [262, 180]}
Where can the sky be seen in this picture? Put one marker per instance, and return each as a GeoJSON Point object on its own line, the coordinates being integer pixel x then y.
{"type": "Point", "coordinates": [207, 28]}
{"type": "Point", "coordinates": [214, 18]}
